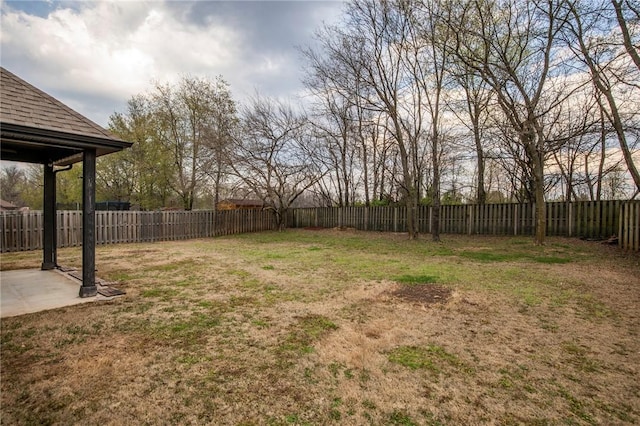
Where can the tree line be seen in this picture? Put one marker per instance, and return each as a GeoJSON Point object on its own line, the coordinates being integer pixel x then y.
{"type": "Point", "coordinates": [412, 101]}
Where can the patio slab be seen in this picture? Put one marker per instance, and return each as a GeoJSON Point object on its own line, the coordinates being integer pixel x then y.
{"type": "Point", "coordinates": [33, 290]}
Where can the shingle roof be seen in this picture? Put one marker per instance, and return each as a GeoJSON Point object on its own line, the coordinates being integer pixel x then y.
{"type": "Point", "coordinates": [25, 105]}
{"type": "Point", "coordinates": [243, 202]}
{"type": "Point", "coordinates": [37, 128]}
{"type": "Point", "coordinates": [7, 205]}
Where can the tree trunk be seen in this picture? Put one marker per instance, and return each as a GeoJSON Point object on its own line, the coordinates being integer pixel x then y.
{"type": "Point", "coordinates": [435, 218]}
{"type": "Point", "coordinates": [481, 194]}
{"type": "Point", "coordinates": [626, 37]}
{"type": "Point", "coordinates": [410, 197]}
{"type": "Point", "coordinates": [604, 88]}
{"type": "Point", "coordinates": [624, 146]}
{"type": "Point", "coordinates": [541, 208]}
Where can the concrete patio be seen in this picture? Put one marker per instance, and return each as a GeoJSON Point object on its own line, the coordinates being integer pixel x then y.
{"type": "Point", "coordinates": [34, 290]}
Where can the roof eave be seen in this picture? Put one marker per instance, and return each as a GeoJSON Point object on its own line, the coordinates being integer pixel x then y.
{"type": "Point", "coordinates": [17, 132]}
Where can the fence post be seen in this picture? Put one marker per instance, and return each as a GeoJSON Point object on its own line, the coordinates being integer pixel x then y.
{"type": "Point", "coordinates": [621, 229]}
{"type": "Point", "coordinates": [635, 221]}
{"type": "Point", "coordinates": [570, 219]}
{"type": "Point", "coordinates": [366, 218]}
{"type": "Point", "coordinates": [395, 219]}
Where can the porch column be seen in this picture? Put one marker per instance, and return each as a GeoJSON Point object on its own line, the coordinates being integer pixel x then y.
{"type": "Point", "coordinates": [49, 215]}
{"type": "Point", "coordinates": [88, 287]}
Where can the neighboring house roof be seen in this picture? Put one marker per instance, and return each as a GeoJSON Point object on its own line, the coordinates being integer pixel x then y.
{"type": "Point", "coordinates": [7, 205]}
{"type": "Point", "coordinates": [241, 202]}
{"type": "Point", "coordinates": [35, 127]}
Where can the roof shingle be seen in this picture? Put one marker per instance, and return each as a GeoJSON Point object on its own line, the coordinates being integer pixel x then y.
{"type": "Point", "coordinates": [25, 105]}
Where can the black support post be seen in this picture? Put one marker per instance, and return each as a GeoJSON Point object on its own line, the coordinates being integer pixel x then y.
{"type": "Point", "coordinates": [88, 287]}
{"type": "Point", "coordinates": [49, 213]}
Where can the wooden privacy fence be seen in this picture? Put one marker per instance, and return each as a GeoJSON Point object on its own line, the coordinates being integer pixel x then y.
{"type": "Point", "coordinates": [629, 233]}
{"type": "Point", "coordinates": [590, 219]}
{"type": "Point", "coordinates": [23, 231]}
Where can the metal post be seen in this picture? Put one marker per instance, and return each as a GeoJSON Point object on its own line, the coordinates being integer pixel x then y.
{"type": "Point", "coordinates": [88, 287]}
{"type": "Point", "coordinates": [49, 214]}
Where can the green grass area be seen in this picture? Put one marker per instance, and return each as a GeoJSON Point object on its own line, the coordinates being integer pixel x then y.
{"type": "Point", "coordinates": [494, 256]}
{"type": "Point", "coordinates": [429, 357]}
{"type": "Point", "coordinates": [416, 279]}
{"type": "Point", "coordinates": [305, 332]}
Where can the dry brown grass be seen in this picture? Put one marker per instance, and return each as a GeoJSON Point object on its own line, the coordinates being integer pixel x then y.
{"type": "Point", "coordinates": [323, 327]}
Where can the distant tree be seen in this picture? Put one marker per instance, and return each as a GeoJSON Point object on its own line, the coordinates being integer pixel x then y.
{"type": "Point", "coordinates": [614, 74]}
{"type": "Point", "coordinates": [193, 119]}
{"type": "Point", "coordinates": [513, 47]}
{"type": "Point", "coordinates": [427, 60]}
{"type": "Point", "coordinates": [12, 182]}
{"type": "Point", "coordinates": [69, 187]}
{"type": "Point", "coordinates": [143, 174]}
{"type": "Point", "coordinates": [32, 193]}
{"type": "Point", "coordinates": [472, 110]}
{"type": "Point", "coordinates": [181, 134]}
{"type": "Point", "coordinates": [274, 154]}
{"type": "Point", "coordinates": [218, 137]}
{"type": "Point", "coordinates": [369, 48]}
{"type": "Point", "coordinates": [343, 118]}
{"type": "Point", "coordinates": [334, 124]}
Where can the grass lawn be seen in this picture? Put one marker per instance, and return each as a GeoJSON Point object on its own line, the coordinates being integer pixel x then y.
{"type": "Point", "coordinates": [335, 327]}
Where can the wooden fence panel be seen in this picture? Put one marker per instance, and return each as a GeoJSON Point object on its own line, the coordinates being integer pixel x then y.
{"type": "Point", "coordinates": [24, 230]}
{"type": "Point", "coordinates": [589, 219]}
{"type": "Point", "coordinates": [629, 226]}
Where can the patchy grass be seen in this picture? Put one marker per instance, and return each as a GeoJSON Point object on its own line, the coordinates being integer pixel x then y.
{"type": "Point", "coordinates": [429, 357]}
{"type": "Point", "coordinates": [416, 279]}
{"type": "Point", "coordinates": [516, 256]}
{"type": "Point", "coordinates": [305, 332]}
{"type": "Point", "coordinates": [306, 327]}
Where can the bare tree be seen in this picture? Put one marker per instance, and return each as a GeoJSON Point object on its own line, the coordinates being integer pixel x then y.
{"type": "Point", "coordinates": [333, 125]}
{"type": "Point", "coordinates": [426, 59]}
{"type": "Point", "coordinates": [12, 180]}
{"type": "Point", "coordinates": [342, 121]}
{"type": "Point", "coordinates": [602, 57]}
{"type": "Point", "coordinates": [474, 116]}
{"type": "Point", "coordinates": [369, 49]}
{"type": "Point", "coordinates": [629, 40]}
{"type": "Point", "coordinates": [514, 49]}
{"type": "Point", "coordinates": [218, 138]}
{"type": "Point", "coordinates": [274, 154]}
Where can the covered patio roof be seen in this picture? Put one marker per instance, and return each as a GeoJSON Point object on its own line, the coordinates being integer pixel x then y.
{"type": "Point", "coordinates": [37, 128]}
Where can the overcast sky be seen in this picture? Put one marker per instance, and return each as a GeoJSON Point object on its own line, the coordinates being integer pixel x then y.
{"type": "Point", "coordinates": [95, 55]}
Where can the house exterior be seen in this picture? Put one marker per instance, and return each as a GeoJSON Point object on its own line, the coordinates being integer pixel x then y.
{"type": "Point", "coordinates": [239, 204]}
{"type": "Point", "coordinates": [6, 206]}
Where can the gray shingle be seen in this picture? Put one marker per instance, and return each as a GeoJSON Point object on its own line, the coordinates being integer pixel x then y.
{"type": "Point", "coordinates": [26, 105]}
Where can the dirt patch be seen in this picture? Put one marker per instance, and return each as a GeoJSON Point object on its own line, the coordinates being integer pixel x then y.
{"type": "Point", "coordinates": [424, 294]}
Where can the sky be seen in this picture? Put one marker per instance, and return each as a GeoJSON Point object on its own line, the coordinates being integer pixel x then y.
{"type": "Point", "coordinates": [95, 55]}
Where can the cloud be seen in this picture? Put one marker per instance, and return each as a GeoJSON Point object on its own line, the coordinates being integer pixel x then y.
{"type": "Point", "coordinates": [272, 31]}
{"type": "Point", "coordinates": [111, 49]}
{"type": "Point", "coordinates": [95, 55]}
